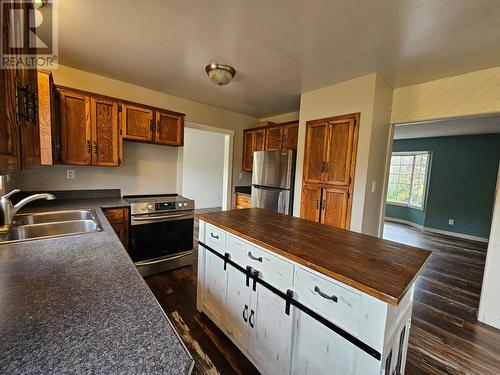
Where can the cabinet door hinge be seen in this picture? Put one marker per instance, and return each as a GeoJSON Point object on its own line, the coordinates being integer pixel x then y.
{"type": "Point", "coordinates": [119, 107]}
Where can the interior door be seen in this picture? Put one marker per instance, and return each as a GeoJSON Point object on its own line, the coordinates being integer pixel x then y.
{"type": "Point", "coordinates": [335, 207]}
{"type": "Point", "coordinates": [106, 141]}
{"type": "Point", "coordinates": [169, 129]}
{"type": "Point", "coordinates": [137, 123]}
{"type": "Point", "coordinates": [76, 132]}
{"type": "Point", "coordinates": [317, 350]}
{"type": "Point", "coordinates": [273, 138]}
{"type": "Point", "coordinates": [311, 202]}
{"type": "Point", "coordinates": [270, 332]}
{"type": "Point", "coordinates": [238, 306]}
{"type": "Point", "coordinates": [340, 152]}
{"type": "Point", "coordinates": [290, 136]}
{"type": "Point", "coordinates": [315, 152]}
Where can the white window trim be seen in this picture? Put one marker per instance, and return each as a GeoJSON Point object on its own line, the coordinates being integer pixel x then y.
{"type": "Point", "coordinates": [426, 180]}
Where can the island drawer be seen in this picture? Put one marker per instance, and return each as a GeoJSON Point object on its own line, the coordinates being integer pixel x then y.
{"type": "Point", "coordinates": [329, 298]}
{"type": "Point", "coordinates": [215, 238]}
{"type": "Point", "coordinates": [273, 270]}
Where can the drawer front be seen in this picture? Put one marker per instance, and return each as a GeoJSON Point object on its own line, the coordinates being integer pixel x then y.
{"type": "Point", "coordinates": [116, 215]}
{"type": "Point", "coordinates": [273, 270]}
{"type": "Point", "coordinates": [314, 291]}
{"type": "Point", "coordinates": [243, 200]}
{"type": "Point", "coordinates": [215, 238]}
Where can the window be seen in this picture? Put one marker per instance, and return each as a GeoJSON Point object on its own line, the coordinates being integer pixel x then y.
{"type": "Point", "coordinates": [408, 179]}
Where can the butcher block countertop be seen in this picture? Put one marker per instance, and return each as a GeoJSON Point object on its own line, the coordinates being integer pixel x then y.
{"type": "Point", "coordinates": [380, 268]}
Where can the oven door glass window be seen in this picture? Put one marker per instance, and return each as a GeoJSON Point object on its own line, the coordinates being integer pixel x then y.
{"type": "Point", "coordinates": [160, 239]}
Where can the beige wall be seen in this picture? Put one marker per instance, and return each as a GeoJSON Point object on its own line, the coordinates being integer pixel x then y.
{"type": "Point", "coordinates": [463, 95]}
{"type": "Point", "coordinates": [370, 96]}
{"type": "Point", "coordinates": [284, 117]}
{"type": "Point", "coordinates": [142, 162]}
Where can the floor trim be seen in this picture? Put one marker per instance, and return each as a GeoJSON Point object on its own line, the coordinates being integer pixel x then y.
{"type": "Point", "coordinates": [437, 231]}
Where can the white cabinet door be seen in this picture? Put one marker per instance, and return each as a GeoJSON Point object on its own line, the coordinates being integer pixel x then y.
{"type": "Point", "coordinates": [270, 332]}
{"type": "Point", "coordinates": [237, 309]}
{"type": "Point", "coordinates": [318, 350]}
{"type": "Point", "coordinates": [214, 285]}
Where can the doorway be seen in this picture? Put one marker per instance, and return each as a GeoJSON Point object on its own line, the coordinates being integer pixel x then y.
{"type": "Point", "coordinates": [205, 169]}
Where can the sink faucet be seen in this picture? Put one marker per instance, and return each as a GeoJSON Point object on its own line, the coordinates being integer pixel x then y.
{"type": "Point", "coordinates": [8, 210]}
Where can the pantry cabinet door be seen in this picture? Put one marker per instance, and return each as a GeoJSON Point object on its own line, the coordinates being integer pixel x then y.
{"type": "Point", "coordinates": [237, 306]}
{"type": "Point", "coordinates": [318, 350]}
{"type": "Point", "coordinates": [270, 332]}
{"type": "Point", "coordinates": [311, 202]}
{"type": "Point", "coordinates": [315, 152]}
{"type": "Point", "coordinates": [214, 285]}
{"type": "Point", "coordinates": [334, 208]}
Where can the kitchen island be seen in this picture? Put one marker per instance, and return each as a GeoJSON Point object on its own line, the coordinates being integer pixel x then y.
{"type": "Point", "coordinates": [302, 298]}
{"type": "Point", "coordinates": [77, 304]}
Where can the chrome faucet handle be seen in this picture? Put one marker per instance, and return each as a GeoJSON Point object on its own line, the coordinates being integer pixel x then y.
{"type": "Point", "coordinates": [11, 193]}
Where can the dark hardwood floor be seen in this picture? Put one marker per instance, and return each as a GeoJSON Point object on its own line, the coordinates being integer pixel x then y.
{"type": "Point", "coordinates": [445, 338]}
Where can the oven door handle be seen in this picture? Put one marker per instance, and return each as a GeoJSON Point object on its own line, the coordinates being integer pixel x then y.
{"type": "Point", "coordinates": [160, 217]}
{"type": "Point", "coordinates": [163, 259]}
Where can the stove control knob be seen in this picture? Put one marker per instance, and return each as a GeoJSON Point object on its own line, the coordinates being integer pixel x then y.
{"type": "Point", "coordinates": [150, 207]}
{"type": "Point", "coordinates": [185, 204]}
{"type": "Point", "coordinates": [180, 204]}
{"type": "Point", "coordinates": [143, 208]}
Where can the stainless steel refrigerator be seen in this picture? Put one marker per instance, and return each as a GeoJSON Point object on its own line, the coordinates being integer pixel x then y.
{"type": "Point", "coordinates": [273, 178]}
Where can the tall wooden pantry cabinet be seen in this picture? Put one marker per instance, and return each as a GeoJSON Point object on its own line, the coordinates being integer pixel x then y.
{"type": "Point", "coordinates": [329, 166]}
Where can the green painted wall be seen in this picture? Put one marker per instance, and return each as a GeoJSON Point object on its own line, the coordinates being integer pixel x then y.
{"type": "Point", "coordinates": [463, 174]}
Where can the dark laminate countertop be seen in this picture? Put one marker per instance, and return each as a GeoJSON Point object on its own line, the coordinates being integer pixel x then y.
{"type": "Point", "coordinates": [381, 268]}
{"type": "Point", "coordinates": [77, 304]}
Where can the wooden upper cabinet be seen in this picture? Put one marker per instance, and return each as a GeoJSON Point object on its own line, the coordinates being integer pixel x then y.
{"type": "Point", "coordinates": [169, 128]}
{"type": "Point", "coordinates": [334, 207]}
{"type": "Point", "coordinates": [76, 131]}
{"type": "Point", "coordinates": [273, 138]}
{"type": "Point", "coordinates": [311, 203]}
{"type": "Point", "coordinates": [9, 129]}
{"type": "Point", "coordinates": [48, 120]}
{"type": "Point", "coordinates": [260, 140]}
{"type": "Point", "coordinates": [248, 145]}
{"type": "Point", "coordinates": [290, 136]}
{"type": "Point", "coordinates": [106, 140]}
{"type": "Point", "coordinates": [315, 152]}
{"type": "Point", "coordinates": [137, 123]}
{"type": "Point", "coordinates": [340, 152]}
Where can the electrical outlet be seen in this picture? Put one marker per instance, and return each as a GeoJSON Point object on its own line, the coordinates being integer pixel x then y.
{"type": "Point", "coordinates": [451, 221]}
{"type": "Point", "coordinates": [70, 174]}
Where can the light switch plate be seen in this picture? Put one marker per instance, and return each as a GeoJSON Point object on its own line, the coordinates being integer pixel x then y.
{"type": "Point", "coordinates": [451, 221]}
{"type": "Point", "coordinates": [70, 174]}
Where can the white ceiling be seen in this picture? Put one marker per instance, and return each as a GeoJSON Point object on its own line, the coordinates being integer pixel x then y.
{"type": "Point", "coordinates": [279, 48]}
{"type": "Point", "coordinates": [444, 128]}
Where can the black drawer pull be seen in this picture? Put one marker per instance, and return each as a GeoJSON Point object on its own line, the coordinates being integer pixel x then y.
{"type": "Point", "coordinates": [326, 296]}
{"type": "Point", "coordinates": [214, 236]}
{"type": "Point", "coordinates": [250, 255]}
{"type": "Point", "coordinates": [252, 313]}
{"type": "Point", "coordinates": [245, 310]}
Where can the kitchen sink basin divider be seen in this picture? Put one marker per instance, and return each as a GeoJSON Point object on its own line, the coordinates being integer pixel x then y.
{"type": "Point", "coordinates": [253, 275]}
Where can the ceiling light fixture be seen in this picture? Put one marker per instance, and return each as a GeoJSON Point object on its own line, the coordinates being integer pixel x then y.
{"type": "Point", "coordinates": [220, 74]}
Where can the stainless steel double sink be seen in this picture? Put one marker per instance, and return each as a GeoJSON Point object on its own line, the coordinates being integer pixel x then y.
{"type": "Point", "coordinates": [51, 224]}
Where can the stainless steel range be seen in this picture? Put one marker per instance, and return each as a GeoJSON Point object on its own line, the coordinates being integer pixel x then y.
{"type": "Point", "coordinates": [161, 232]}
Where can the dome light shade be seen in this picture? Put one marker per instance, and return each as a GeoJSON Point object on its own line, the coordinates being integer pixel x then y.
{"type": "Point", "coordinates": [220, 74]}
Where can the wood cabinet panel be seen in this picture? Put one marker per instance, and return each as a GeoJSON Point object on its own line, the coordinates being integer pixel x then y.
{"type": "Point", "coordinates": [137, 123]}
{"type": "Point", "coordinates": [169, 129]}
{"type": "Point", "coordinates": [106, 140]}
{"type": "Point", "coordinates": [9, 130]}
{"type": "Point", "coordinates": [334, 207]}
{"type": "Point", "coordinates": [248, 146]}
{"type": "Point", "coordinates": [260, 140]}
{"type": "Point", "coordinates": [311, 202]}
{"type": "Point", "coordinates": [340, 150]}
{"type": "Point", "coordinates": [273, 138]}
{"type": "Point", "coordinates": [48, 120]}
{"type": "Point", "coordinates": [119, 220]}
{"type": "Point", "coordinates": [237, 312]}
{"type": "Point", "coordinates": [315, 152]}
{"type": "Point", "coordinates": [242, 201]}
{"type": "Point", "coordinates": [290, 136]}
{"type": "Point", "coordinates": [75, 128]}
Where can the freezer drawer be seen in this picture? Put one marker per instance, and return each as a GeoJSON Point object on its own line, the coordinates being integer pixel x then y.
{"type": "Point", "coordinates": [271, 199]}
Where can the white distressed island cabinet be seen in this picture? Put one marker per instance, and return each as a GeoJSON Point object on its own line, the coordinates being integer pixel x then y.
{"type": "Point", "coordinates": [369, 335]}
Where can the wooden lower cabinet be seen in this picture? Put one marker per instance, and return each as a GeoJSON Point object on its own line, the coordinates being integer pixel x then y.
{"type": "Point", "coordinates": [277, 343]}
{"type": "Point", "coordinates": [242, 201]}
{"type": "Point", "coordinates": [326, 205]}
{"type": "Point", "coordinates": [119, 220]}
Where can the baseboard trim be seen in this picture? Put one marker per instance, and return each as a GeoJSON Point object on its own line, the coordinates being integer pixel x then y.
{"type": "Point", "coordinates": [438, 231]}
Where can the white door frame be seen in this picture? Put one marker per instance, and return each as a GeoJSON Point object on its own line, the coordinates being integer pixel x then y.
{"type": "Point", "coordinates": [228, 161]}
